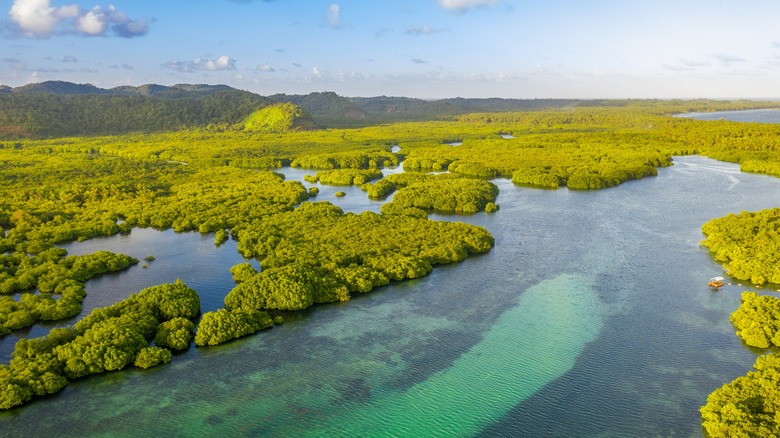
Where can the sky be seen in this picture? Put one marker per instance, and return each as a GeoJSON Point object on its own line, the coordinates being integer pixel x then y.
{"type": "Point", "coordinates": [415, 48]}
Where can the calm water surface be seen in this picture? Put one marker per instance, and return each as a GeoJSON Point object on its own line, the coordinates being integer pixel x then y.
{"type": "Point", "coordinates": [759, 115]}
{"type": "Point", "coordinates": [590, 317]}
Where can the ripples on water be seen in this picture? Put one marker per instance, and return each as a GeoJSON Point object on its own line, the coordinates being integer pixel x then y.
{"type": "Point", "coordinates": [590, 317]}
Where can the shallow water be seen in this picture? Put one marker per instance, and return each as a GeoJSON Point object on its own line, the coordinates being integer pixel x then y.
{"type": "Point", "coordinates": [590, 317]}
{"type": "Point", "coordinates": [758, 115]}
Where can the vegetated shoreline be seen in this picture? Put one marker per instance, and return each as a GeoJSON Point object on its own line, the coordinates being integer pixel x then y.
{"type": "Point", "coordinates": [220, 170]}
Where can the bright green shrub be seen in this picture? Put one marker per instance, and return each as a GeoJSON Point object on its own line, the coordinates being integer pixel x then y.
{"type": "Point", "coordinates": [152, 356]}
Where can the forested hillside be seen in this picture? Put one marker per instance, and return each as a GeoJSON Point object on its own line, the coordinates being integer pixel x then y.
{"type": "Point", "coordinates": [57, 109]}
{"type": "Point", "coordinates": [63, 109]}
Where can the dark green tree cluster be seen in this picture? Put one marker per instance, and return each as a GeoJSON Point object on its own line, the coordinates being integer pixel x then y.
{"type": "Point", "coordinates": [222, 325]}
{"type": "Point", "coordinates": [285, 288]}
{"type": "Point", "coordinates": [176, 333]}
{"type": "Point", "coordinates": [754, 146]}
{"type": "Point", "coordinates": [53, 273]}
{"type": "Point", "coordinates": [152, 356]}
{"type": "Point", "coordinates": [748, 244]}
{"type": "Point", "coordinates": [107, 339]}
{"type": "Point", "coordinates": [747, 406]}
{"type": "Point", "coordinates": [319, 254]}
{"type": "Point", "coordinates": [321, 234]}
{"type": "Point", "coordinates": [473, 170]}
{"type": "Point", "coordinates": [379, 190]}
{"type": "Point", "coordinates": [257, 162]}
{"type": "Point", "coordinates": [761, 166]}
{"type": "Point", "coordinates": [757, 320]}
{"type": "Point", "coordinates": [579, 160]}
{"type": "Point", "coordinates": [219, 198]}
{"type": "Point", "coordinates": [750, 405]}
{"type": "Point", "coordinates": [441, 194]}
{"type": "Point", "coordinates": [430, 158]}
{"type": "Point", "coordinates": [278, 118]}
{"type": "Point", "coordinates": [221, 236]}
{"type": "Point", "coordinates": [53, 115]}
{"type": "Point", "coordinates": [394, 209]}
{"type": "Point", "coordinates": [351, 160]}
{"type": "Point", "coordinates": [346, 177]}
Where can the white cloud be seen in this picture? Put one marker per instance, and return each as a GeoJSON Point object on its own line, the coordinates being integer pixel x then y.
{"type": "Point", "coordinates": [315, 72]}
{"type": "Point", "coordinates": [222, 63]}
{"type": "Point", "coordinates": [422, 30]}
{"type": "Point", "coordinates": [334, 11]}
{"type": "Point", "coordinates": [93, 22]}
{"type": "Point", "coordinates": [38, 18]}
{"type": "Point", "coordinates": [463, 5]}
{"type": "Point", "coordinates": [34, 77]}
{"type": "Point", "coordinates": [349, 77]}
{"type": "Point", "coordinates": [726, 60]}
{"type": "Point", "coordinates": [266, 68]}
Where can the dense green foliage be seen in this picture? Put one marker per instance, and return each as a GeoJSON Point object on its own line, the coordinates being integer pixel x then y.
{"type": "Point", "coordinates": [748, 244]}
{"type": "Point", "coordinates": [319, 254]}
{"type": "Point", "coordinates": [441, 193]}
{"type": "Point", "coordinates": [757, 320]}
{"type": "Point", "coordinates": [107, 339]}
{"type": "Point", "coordinates": [152, 356]}
{"type": "Point", "coordinates": [750, 405]}
{"type": "Point", "coordinates": [351, 160]}
{"type": "Point", "coordinates": [380, 189]}
{"type": "Point", "coordinates": [44, 208]}
{"type": "Point", "coordinates": [320, 234]}
{"type": "Point", "coordinates": [36, 114]}
{"type": "Point", "coordinates": [207, 180]}
{"type": "Point", "coordinates": [52, 272]}
{"type": "Point", "coordinates": [175, 333]}
{"type": "Point", "coordinates": [278, 118]}
{"type": "Point", "coordinates": [221, 236]}
{"type": "Point", "coordinates": [346, 177]}
{"type": "Point", "coordinates": [223, 325]}
{"type": "Point", "coordinates": [579, 157]}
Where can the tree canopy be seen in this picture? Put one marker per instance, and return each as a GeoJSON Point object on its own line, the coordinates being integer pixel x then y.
{"type": "Point", "coordinates": [108, 339]}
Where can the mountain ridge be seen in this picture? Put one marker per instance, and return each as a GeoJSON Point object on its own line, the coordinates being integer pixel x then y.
{"type": "Point", "coordinates": [60, 108]}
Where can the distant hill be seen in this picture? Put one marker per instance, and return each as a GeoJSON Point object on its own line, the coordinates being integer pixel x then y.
{"type": "Point", "coordinates": [406, 108]}
{"type": "Point", "coordinates": [327, 108]}
{"type": "Point", "coordinates": [55, 108]}
{"type": "Point", "coordinates": [174, 91]}
{"type": "Point", "coordinates": [331, 110]}
{"type": "Point", "coordinates": [278, 118]}
{"type": "Point", "coordinates": [60, 88]}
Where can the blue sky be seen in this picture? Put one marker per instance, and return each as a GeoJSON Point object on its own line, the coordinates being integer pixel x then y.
{"type": "Point", "coordinates": [420, 48]}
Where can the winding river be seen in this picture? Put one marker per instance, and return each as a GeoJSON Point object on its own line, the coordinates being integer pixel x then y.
{"type": "Point", "coordinates": [590, 317]}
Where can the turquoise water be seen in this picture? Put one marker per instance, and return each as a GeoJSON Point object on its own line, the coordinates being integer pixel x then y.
{"type": "Point", "coordinates": [590, 317]}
